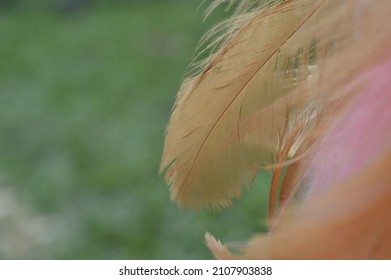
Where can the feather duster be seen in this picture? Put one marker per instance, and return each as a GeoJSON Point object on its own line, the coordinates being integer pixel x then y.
{"type": "Point", "coordinates": [301, 84]}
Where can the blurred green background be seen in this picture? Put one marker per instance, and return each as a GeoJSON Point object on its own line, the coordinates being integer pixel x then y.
{"type": "Point", "coordinates": [86, 90]}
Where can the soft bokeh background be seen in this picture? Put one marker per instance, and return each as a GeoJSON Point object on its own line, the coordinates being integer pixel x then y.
{"type": "Point", "coordinates": [86, 90]}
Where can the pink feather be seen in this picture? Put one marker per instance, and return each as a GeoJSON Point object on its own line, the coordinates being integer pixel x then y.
{"type": "Point", "coordinates": [359, 137]}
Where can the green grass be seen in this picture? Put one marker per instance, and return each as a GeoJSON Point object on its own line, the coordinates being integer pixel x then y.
{"type": "Point", "coordinates": [84, 102]}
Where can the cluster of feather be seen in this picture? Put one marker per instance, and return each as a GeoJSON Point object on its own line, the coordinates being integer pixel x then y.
{"type": "Point", "coordinates": [303, 85]}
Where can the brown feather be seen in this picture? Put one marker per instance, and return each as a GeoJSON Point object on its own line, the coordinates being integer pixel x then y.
{"type": "Point", "coordinates": [360, 231]}
{"type": "Point", "coordinates": [246, 104]}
